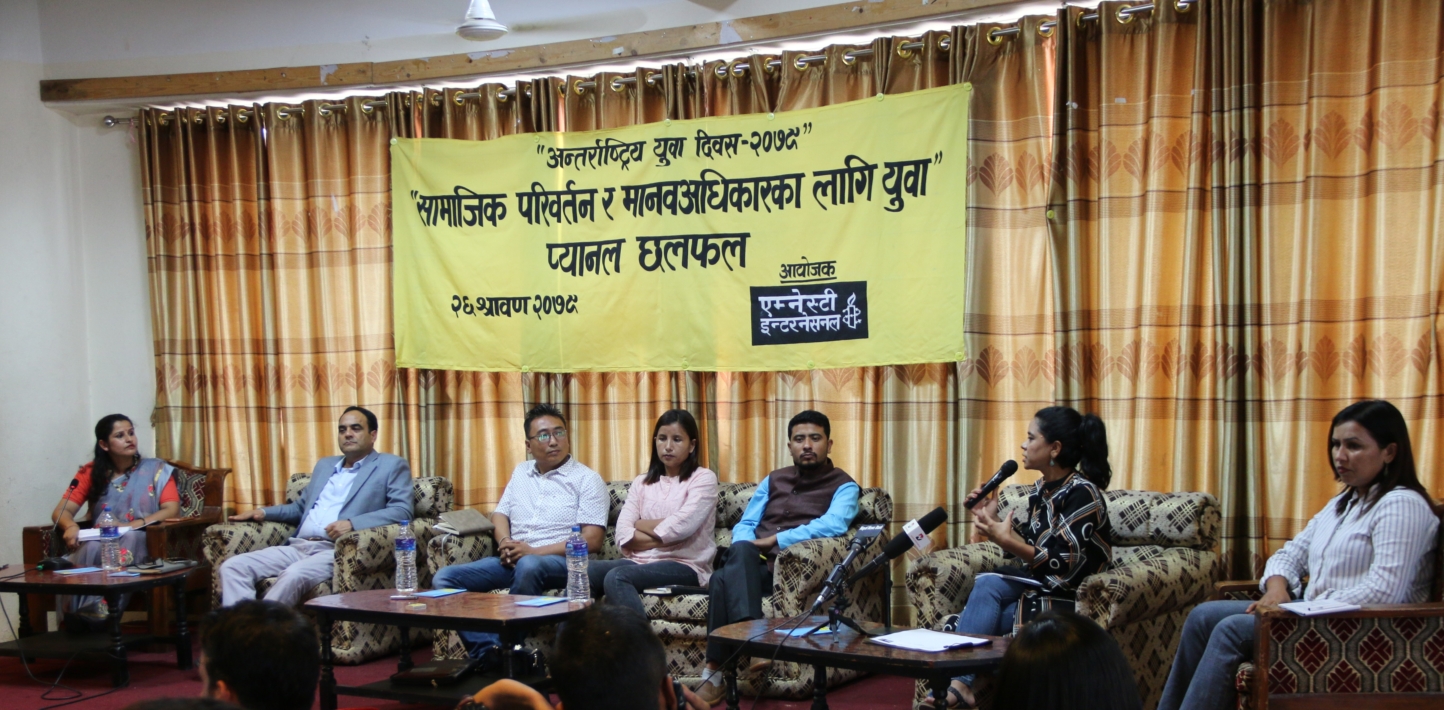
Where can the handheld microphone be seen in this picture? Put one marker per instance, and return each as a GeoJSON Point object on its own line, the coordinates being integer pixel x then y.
{"type": "Point", "coordinates": [900, 544]}
{"type": "Point", "coordinates": [60, 562]}
{"type": "Point", "coordinates": [860, 542]}
{"type": "Point", "coordinates": [1009, 468]}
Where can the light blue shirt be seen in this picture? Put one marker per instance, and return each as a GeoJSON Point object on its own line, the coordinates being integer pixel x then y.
{"type": "Point", "coordinates": [327, 507]}
{"type": "Point", "coordinates": [834, 522]}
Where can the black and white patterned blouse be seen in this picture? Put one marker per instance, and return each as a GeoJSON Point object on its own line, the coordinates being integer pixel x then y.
{"type": "Point", "coordinates": [1067, 522]}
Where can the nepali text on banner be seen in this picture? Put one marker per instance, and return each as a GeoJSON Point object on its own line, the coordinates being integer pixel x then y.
{"type": "Point", "coordinates": [818, 238]}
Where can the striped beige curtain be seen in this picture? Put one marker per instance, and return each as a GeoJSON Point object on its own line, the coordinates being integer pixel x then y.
{"type": "Point", "coordinates": [1247, 239]}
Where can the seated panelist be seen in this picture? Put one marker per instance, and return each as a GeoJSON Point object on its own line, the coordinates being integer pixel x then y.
{"type": "Point", "coordinates": [1064, 539]}
{"type": "Point", "coordinates": [665, 529]}
{"type": "Point", "coordinates": [139, 491]}
{"type": "Point", "coordinates": [809, 499]}
{"type": "Point", "coordinates": [363, 488]}
{"type": "Point", "coordinates": [545, 497]}
{"type": "Point", "coordinates": [1372, 544]}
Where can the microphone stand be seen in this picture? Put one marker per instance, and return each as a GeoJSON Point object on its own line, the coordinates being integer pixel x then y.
{"type": "Point", "coordinates": [835, 618]}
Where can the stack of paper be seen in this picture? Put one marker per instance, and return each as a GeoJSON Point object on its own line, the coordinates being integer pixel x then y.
{"type": "Point", "coordinates": [1318, 607]}
{"type": "Point", "coordinates": [928, 640]}
{"type": "Point", "coordinates": [94, 533]}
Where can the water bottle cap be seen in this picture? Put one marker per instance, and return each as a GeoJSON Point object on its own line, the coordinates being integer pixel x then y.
{"type": "Point", "coordinates": [576, 528]}
{"type": "Point", "coordinates": [405, 523]}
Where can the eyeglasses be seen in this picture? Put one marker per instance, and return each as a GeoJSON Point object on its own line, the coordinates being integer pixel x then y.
{"type": "Point", "coordinates": [547, 436]}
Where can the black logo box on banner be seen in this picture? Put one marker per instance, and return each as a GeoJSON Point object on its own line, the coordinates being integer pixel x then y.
{"type": "Point", "coordinates": [820, 313]}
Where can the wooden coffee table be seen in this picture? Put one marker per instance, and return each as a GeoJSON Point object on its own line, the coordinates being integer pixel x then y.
{"type": "Point", "coordinates": [62, 644]}
{"type": "Point", "coordinates": [850, 650]}
{"type": "Point", "coordinates": [467, 611]}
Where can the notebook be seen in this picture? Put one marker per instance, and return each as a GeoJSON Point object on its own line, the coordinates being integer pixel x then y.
{"type": "Point", "coordinates": [1318, 607]}
{"type": "Point", "coordinates": [464, 522]}
{"type": "Point", "coordinates": [928, 640]}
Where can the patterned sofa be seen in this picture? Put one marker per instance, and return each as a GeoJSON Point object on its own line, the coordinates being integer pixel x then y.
{"type": "Point", "coordinates": [364, 560]}
{"type": "Point", "coordinates": [681, 621]}
{"type": "Point", "coordinates": [1388, 652]}
{"type": "Point", "coordinates": [1164, 564]}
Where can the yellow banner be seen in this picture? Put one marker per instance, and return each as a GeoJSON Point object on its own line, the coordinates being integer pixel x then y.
{"type": "Point", "coordinates": [827, 237]}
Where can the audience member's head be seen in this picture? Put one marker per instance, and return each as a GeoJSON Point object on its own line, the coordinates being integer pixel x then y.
{"type": "Point", "coordinates": [608, 659]}
{"type": "Point", "coordinates": [1063, 660]}
{"type": "Point", "coordinates": [260, 655]}
{"type": "Point", "coordinates": [181, 704]}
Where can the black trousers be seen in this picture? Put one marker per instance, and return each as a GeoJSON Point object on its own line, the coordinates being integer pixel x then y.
{"type": "Point", "coordinates": [735, 592]}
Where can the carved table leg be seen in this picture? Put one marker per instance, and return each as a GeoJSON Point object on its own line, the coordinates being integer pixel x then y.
{"type": "Point", "coordinates": [819, 687]}
{"type": "Point", "coordinates": [405, 663]}
{"type": "Point", "coordinates": [25, 629]}
{"type": "Point", "coordinates": [120, 673]}
{"type": "Point", "coordinates": [508, 660]}
{"type": "Point", "coordinates": [939, 688]}
{"type": "Point", "coordinates": [328, 674]}
{"type": "Point", "coordinates": [729, 676]}
{"type": "Point", "coordinates": [182, 629]}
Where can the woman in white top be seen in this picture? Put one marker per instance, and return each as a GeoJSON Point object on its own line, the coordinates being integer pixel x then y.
{"type": "Point", "coordinates": [1372, 544]}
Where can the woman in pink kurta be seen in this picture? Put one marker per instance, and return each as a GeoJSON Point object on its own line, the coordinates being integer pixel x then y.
{"type": "Point", "coordinates": [665, 529]}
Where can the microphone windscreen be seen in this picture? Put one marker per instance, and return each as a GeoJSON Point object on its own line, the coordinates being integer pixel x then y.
{"type": "Point", "coordinates": [897, 546]}
{"type": "Point", "coordinates": [932, 520]}
{"type": "Point", "coordinates": [75, 483]}
{"type": "Point", "coordinates": [1009, 468]}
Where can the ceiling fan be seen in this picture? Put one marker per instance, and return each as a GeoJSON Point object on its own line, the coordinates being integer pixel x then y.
{"type": "Point", "coordinates": [480, 24]}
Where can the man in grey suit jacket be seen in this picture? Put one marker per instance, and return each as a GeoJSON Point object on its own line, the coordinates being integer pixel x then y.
{"type": "Point", "coordinates": [361, 489]}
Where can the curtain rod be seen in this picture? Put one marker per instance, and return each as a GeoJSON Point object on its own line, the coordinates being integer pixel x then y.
{"type": "Point", "coordinates": [736, 68]}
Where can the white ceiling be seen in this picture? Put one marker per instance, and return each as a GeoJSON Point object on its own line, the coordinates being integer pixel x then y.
{"type": "Point", "coordinates": [124, 37]}
{"type": "Point", "coordinates": [100, 38]}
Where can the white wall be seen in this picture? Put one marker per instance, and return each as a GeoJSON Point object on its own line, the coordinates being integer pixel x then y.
{"type": "Point", "coordinates": [74, 308]}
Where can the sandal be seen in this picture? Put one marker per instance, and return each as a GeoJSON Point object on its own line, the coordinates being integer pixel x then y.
{"type": "Point", "coordinates": [955, 700]}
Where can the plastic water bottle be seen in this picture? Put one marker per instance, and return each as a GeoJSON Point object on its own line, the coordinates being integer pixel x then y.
{"type": "Point", "coordinates": [109, 540]}
{"type": "Point", "coordinates": [405, 559]}
{"type": "Point", "coordinates": [579, 588]}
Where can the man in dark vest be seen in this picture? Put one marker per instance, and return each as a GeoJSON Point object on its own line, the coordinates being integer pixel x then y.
{"type": "Point", "coordinates": [809, 499]}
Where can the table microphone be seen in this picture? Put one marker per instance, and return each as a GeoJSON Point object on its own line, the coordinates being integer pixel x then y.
{"type": "Point", "coordinates": [1009, 468]}
{"type": "Point", "coordinates": [51, 564]}
{"type": "Point", "coordinates": [860, 542]}
{"type": "Point", "coordinates": [904, 540]}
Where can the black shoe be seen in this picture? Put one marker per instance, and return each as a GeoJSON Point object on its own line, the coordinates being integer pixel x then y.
{"type": "Point", "coordinates": [488, 661]}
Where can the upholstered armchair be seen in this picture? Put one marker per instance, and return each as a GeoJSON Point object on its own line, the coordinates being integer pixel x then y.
{"type": "Point", "coordinates": [1164, 564]}
{"type": "Point", "coordinates": [681, 621]}
{"type": "Point", "coordinates": [200, 490]}
{"type": "Point", "coordinates": [1387, 653]}
{"type": "Point", "coordinates": [364, 560]}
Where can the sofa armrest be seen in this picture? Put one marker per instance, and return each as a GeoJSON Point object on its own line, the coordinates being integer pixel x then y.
{"type": "Point", "coordinates": [1176, 579]}
{"type": "Point", "coordinates": [939, 582]}
{"type": "Point", "coordinates": [1238, 590]}
{"type": "Point", "coordinates": [1310, 654]}
{"type": "Point", "coordinates": [365, 559]}
{"type": "Point", "coordinates": [223, 541]}
{"type": "Point", "coordinates": [445, 549]}
{"type": "Point", "coordinates": [800, 570]}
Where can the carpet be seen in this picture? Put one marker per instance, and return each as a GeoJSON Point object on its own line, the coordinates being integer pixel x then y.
{"type": "Point", "coordinates": [154, 675]}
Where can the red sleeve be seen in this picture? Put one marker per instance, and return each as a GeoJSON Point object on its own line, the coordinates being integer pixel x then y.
{"type": "Point", "coordinates": [77, 494]}
{"type": "Point", "coordinates": [169, 493]}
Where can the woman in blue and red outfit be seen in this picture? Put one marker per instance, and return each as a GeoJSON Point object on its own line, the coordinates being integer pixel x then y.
{"type": "Point", "coordinates": [139, 491]}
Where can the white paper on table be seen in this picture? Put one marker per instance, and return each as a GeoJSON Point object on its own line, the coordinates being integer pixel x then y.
{"type": "Point", "coordinates": [1318, 607]}
{"type": "Point", "coordinates": [927, 640]}
{"type": "Point", "coordinates": [94, 533]}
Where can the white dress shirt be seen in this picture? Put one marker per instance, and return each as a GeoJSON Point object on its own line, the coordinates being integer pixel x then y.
{"type": "Point", "coordinates": [327, 507]}
{"type": "Point", "coordinates": [1384, 555]}
{"type": "Point", "coordinates": [543, 507]}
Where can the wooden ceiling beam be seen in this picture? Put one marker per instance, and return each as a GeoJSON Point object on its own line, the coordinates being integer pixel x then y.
{"type": "Point", "coordinates": [856, 15]}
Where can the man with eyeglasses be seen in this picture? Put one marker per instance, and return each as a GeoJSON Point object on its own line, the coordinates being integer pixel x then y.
{"type": "Point", "coordinates": [545, 497]}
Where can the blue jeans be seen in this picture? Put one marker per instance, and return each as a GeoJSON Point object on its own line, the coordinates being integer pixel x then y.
{"type": "Point", "coordinates": [1217, 637]}
{"type": "Point", "coordinates": [533, 574]}
{"type": "Point", "coordinates": [990, 610]}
